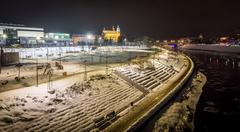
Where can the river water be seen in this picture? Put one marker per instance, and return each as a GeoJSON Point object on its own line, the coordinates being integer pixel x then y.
{"type": "Point", "coordinates": [219, 106]}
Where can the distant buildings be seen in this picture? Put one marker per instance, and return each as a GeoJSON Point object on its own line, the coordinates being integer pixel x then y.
{"type": "Point", "coordinates": [82, 39]}
{"type": "Point", "coordinates": [111, 35]}
{"type": "Point", "coordinates": [57, 39]}
{"type": "Point", "coordinates": [16, 35]}
{"type": "Point", "coordinates": [230, 39]}
{"type": "Point", "coordinates": [108, 37]}
{"type": "Point", "coordinates": [20, 34]}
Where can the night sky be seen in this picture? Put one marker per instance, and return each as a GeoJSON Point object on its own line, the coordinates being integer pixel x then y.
{"type": "Point", "coordinates": [155, 18]}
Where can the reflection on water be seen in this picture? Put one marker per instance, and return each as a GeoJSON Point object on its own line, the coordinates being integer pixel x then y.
{"type": "Point", "coordinates": [219, 105]}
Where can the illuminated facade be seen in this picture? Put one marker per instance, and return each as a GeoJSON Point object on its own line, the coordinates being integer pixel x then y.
{"type": "Point", "coordinates": [57, 39]}
{"type": "Point", "coordinates": [83, 38]}
{"type": "Point", "coordinates": [16, 34]}
{"type": "Point", "coordinates": [112, 35]}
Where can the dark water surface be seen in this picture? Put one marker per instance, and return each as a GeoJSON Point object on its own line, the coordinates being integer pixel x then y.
{"type": "Point", "coordinates": [219, 106]}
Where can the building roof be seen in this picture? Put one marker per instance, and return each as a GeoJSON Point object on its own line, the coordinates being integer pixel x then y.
{"type": "Point", "coordinates": [18, 27]}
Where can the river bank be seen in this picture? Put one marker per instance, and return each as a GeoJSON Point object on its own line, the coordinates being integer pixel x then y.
{"type": "Point", "coordinates": [180, 115]}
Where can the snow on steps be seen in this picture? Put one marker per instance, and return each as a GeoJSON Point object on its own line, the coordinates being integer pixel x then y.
{"type": "Point", "coordinates": [78, 113]}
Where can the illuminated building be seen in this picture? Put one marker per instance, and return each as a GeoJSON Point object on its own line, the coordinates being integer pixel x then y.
{"type": "Point", "coordinates": [83, 38]}
{"type": "Point", "coordinates": [11, 34]}
{"type": "Point", "coordinates": [57, 39]}
{"type": "Point", "coordinates": [112, 35]}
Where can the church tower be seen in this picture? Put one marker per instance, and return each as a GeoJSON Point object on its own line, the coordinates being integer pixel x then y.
{"type": "Point", "coordinates": [112, 34]}
{"type": "Point", "coordinates": [118, 29]}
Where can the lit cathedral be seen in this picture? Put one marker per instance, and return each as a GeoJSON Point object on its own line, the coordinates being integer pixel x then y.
{"type": "Point", "coordinates": [112, 35]}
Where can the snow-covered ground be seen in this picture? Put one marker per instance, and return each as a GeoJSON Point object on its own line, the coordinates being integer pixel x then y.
{"type": "Point", "coordinates": [72, 108]}
{"type": "Point", "coordinates": [72, 105]}
{"type": "Point", "coordinates": [72, 64]}
{"type": "Point", "coordinates": [180, 115]}
{"type": "Point", "coordinates": [54, 52]}
{"type": "Point", "coordinates": [29, 73]}
{"type": "Point", "coordinates": [157, 97]}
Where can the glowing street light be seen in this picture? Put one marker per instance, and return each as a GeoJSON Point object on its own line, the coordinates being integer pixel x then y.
{"type": "Point", "coordinates": [4, 36]}
{"type": "Point", "coordinates": [38, 38]}
{"type": "Point", "coordinates": [89, 36]}
{"type": "Point", "coordinates": [99, 40]}
{"type": "Point", "coordinates": [56, 37]}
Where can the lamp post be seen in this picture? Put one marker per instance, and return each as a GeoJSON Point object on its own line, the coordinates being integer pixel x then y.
{"type": "Point", "coordinates": [106, 59]}
{"type": "Point", "coordinates": [125, 41]}
{"type": "Point", "coordinates": [1, 56]}
{"type": "Point", "coordinates": [37, 70]}
{"type": "Point", "coordinates": [100, 41]}
{"type": "Point", "coordinates": [85, 70]}
{"type": "Point", "coordinates": [38, 39]}
{"type": "Point", "coordinates": [19, 65]}
{"type": "Point", "coordinates": [47, 53]}
{"type": "Point", "coordinates": [90, 37]}
{"type": "Point", "coordinates": [106, 65]}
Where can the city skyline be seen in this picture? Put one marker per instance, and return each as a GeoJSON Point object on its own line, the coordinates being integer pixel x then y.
{"type": "Point", "coordinates": [119, 65]}
{"type": "Point", "coordinates": [158, 19]}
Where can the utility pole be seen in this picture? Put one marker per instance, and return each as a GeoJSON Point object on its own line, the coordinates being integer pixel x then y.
{"type": "Point", "coordinates": [106, 64]}
{"type": "Point", "coordinates": [60, 58]}
{"type": "Point", "coordinates": [91, 54]}
{"type": "Point", "coordinates": [19, 71]}
{"type": "Point", "coordinates": [19, 65]}
{"type": "Point", "coordinates": [47, 53]}
{"type": "Point", "coordinates": [85, 70]}
{"type": "Point", "coordinates": [37, 71]}
{"type": "Point", "coordinates": [100, 58]}
{"type": "Point", "coordinates": [49, 74]}
{"type": "Point", "coordinates": [1, 58]}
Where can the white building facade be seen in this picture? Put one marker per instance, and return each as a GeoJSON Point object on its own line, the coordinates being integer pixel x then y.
{"type": "Point", "coordinates": [21, 35]}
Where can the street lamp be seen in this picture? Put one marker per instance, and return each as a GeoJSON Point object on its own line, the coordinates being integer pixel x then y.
{"type": "Point", "coordinates": [37, 70]}
{"type": "Point", "coordinates": [56, 40]}
{"type": "Point", "coordinates": [100, 41]}
{"type": "Point", "coordinates": [56, 37]}
{"type": "Point", "coordinates": [38, 38]}
{"type": "Point", "coordinates": [90, 37]}
{"type": "Point", "coordinates": [4, 36]}
{"type": "Point", "coordinates": [85, 70]}
{"type": "Point", "coordinates": [125, 41]}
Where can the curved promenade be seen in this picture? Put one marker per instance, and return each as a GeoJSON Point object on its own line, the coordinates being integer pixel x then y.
{"type": "Point", "coordinates": [153, 101]}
